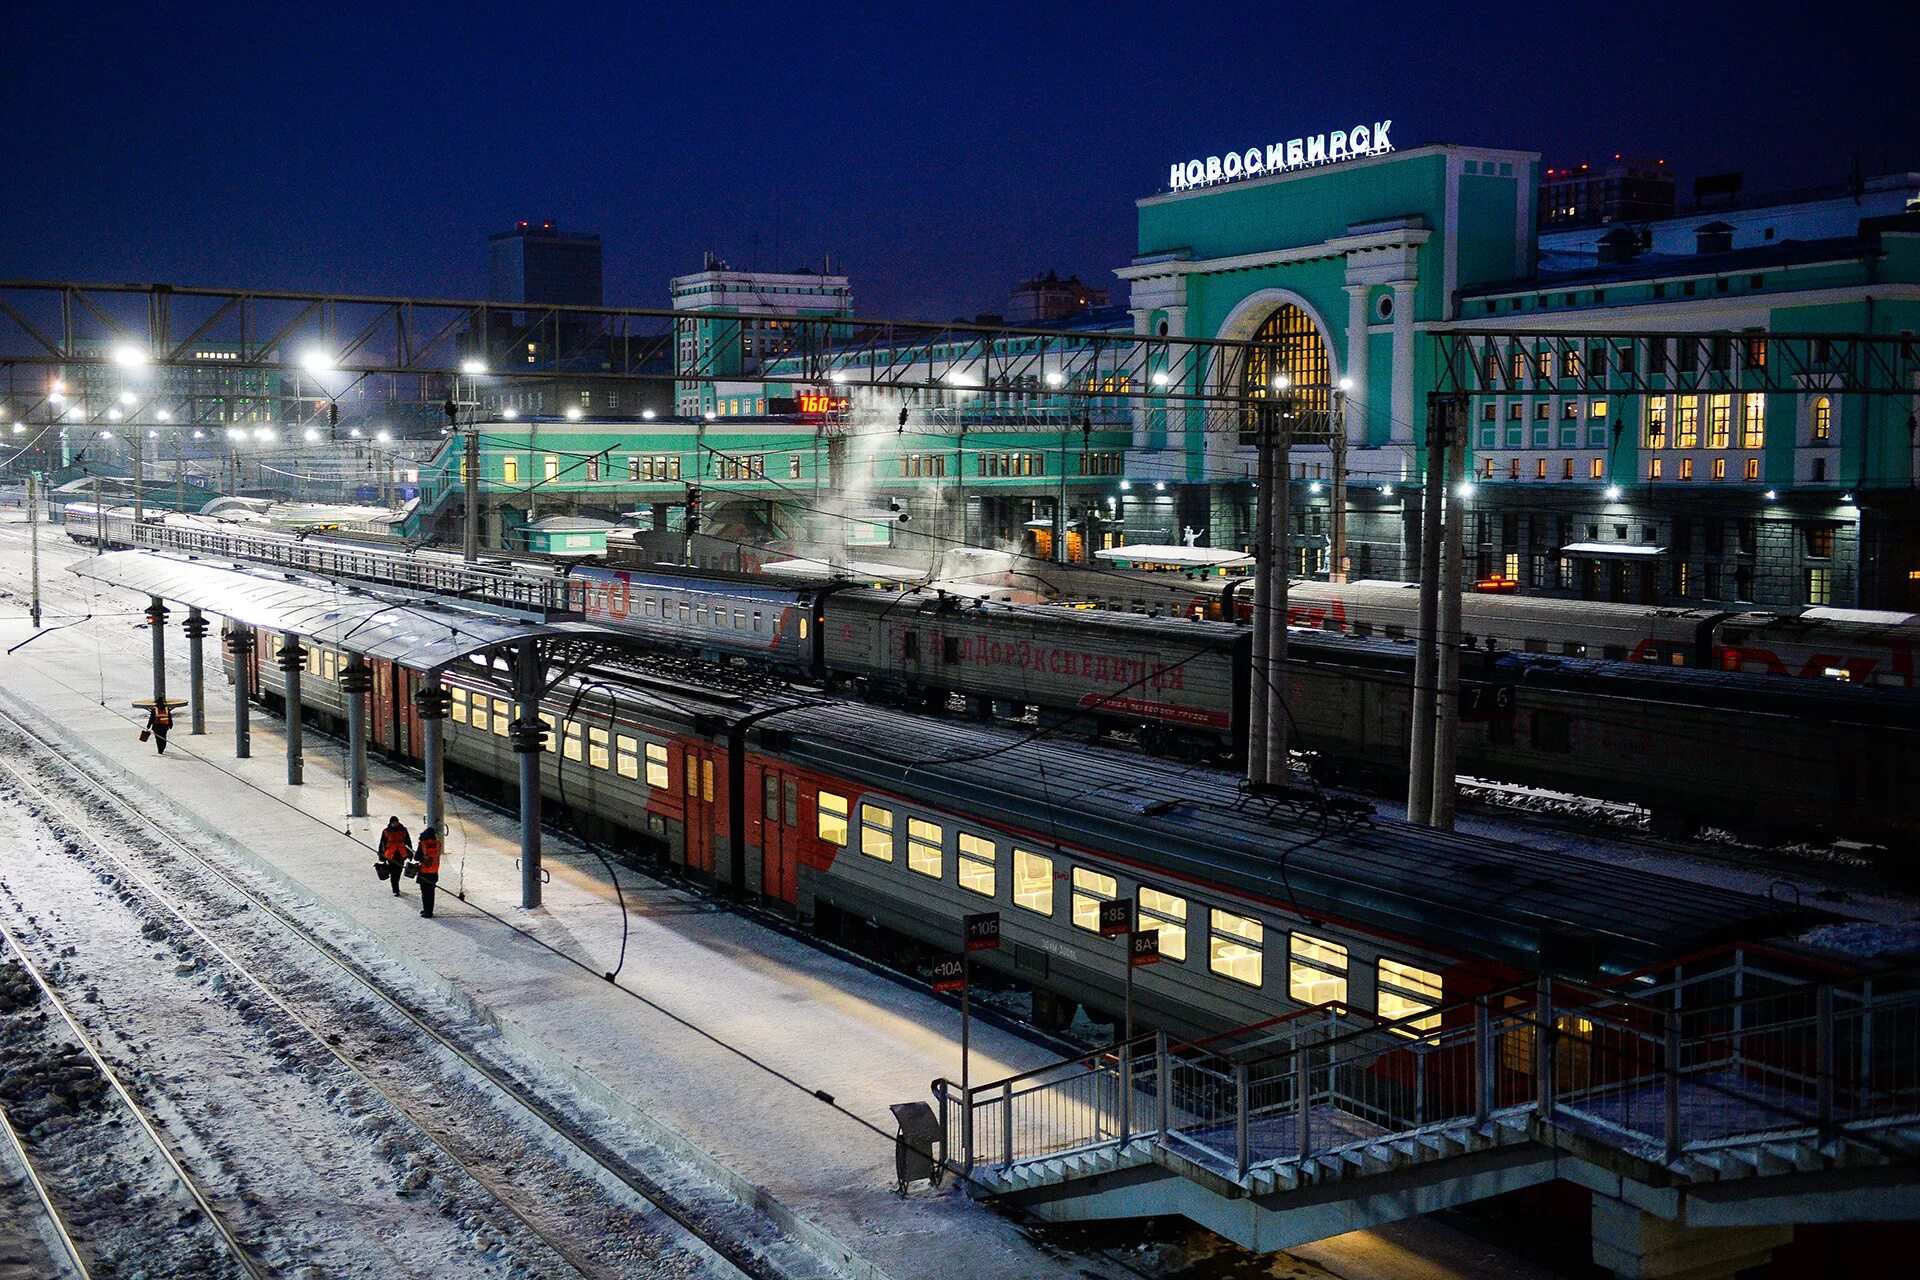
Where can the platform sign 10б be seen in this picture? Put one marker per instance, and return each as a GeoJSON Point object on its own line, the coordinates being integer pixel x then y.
{"type": "Point", "coordinates": [983, 931]}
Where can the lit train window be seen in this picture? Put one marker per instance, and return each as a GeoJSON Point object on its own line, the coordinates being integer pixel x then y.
{"type": "Point", "coordinates": [706, 781]}
{"type": "Point", "coordinates": [480, 713]}
{"type": "Point", "coordinates": [831, 821]}
{"type": "Point", "coordinates": [457, 708]}
{"type": "Point", "coordinates": [1234, 947]}
{"type": "Point", "coordinates": [1090, 889]}
{"type": "Point", "coordinates": [1317, 970]}
{"type": "Point", "coordinates": [976, 863]}
{"type": "Point", "coordinates": [1168, 914]}
{"type": "Point", "coordinates": [1033, 882]}
{"type": "Point", "coordinates": [657, 774]}
{"type": "Point", "coordinates": [597, 748]}
{"type": "Point", "coordinates": [1406, 992]}
{"type": "Point", "coordinates": [626, 756]}
{"type": "Point", "coordinates": [502, 717]}
{"type": "Point", "coordinates": [924, 847]}
{"type": "Point", "coordinates": [876, 830]}
{"type": "Point", "coordinates": [570, 739]}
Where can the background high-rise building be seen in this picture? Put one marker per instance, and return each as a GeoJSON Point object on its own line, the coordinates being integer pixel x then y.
{"type": "Point", "coordinates": [538, 262]}
{"type": "Point", "coordinates": [1049, 297]}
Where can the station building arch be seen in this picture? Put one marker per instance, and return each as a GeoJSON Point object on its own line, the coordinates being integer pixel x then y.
{"type": "Point", "coordinates": [1302, 349]}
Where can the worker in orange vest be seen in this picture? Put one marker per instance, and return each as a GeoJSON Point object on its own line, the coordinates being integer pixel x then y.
{"type": "Point", "coordinates": [160, 724]}
{"type": "Point", "coordinates": [395, 845]}
{"type": "Point", "coordinates": [427, 862]}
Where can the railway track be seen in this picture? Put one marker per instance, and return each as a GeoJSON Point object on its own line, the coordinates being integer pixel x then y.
{"type": "Point", "coordinates": [502, 1160]}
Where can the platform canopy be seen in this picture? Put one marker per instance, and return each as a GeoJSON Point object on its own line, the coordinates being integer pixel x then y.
{"type": "Point", "coordinates": [421, 633]}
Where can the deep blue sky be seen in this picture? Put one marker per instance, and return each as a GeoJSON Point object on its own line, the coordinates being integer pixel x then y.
{"type": "Point", "coordinates": [941, 151]}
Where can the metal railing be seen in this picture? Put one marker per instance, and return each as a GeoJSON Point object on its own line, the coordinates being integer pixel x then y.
{"type": "Point", "coordinates": [1717, 1052]}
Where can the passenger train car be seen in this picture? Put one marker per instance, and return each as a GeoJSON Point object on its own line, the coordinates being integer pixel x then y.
{"type": "Point", "coordinates": [842, 813]}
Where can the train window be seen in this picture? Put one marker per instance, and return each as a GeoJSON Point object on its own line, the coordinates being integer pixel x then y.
{"type": "Point", "coordinates": [1033, 882]}
{"type": "Point", "coordinates": [686, 612]}
{"type": "Point", "coordinates": [657, 774]}
{"type": "Point", "coordinates": [739, 619]}
{"type": "Point", "coordinates": [1363, 629]}
{"type": "Point", "coordinates": [976, 863]}
{"type": "Point", "coordinates": [756, 622]}
{"type": "Point", "coordinates": [1090, 889]}
{"type": "Point", "coordinates": [1168, 914]}
{"type": "Point", "coordinates": [480, 713]}
{"type": "Point", "coordinates": [706, 781]}
{"type": "Point", "coordinates": [457, 708]}
{"type": "Point", "coordinates": [803, 626]}
{"type": "Point", "coordinates": [502, 717]}
{"type": "Point", "coordinates": [650, 606]}
{"type": "Point", "coordinates": [924, 841]}
{"type": "Point", "coordinates": [700, 615]}
{"type": "Point", "coordinates": [1574, 649]}
{"type": "Point", "coordinates": [792, 798]}
{"type": "Point", "coordinates": [1316, 970]}
{"type": "Point", "coordinates": [597, 748]}
{"type": "Point", "coordinates": [626, 756]}
{"type": "Point", "coordinates": [876, 829]}
{"type": "Point", "coordinates": [1235, 947]}
{"type": "Point", "coordinates": [570, 739]}
{"type": "Point", "coordinates": [329, 665]}
{"type": "Point", "coordinates": [1407, 992]}
{"type": "Point", "coordinates": [770, 798]}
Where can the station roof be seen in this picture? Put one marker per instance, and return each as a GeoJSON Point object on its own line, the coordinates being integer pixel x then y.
{"type": "Point", "coordinates": [418, 633]}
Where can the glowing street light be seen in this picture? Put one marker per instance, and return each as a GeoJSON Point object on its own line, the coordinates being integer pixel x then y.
{"type": "Point", "coordinates": [1159, 378]}
{"type": "Point", "coordinates": [19, 428]}
{"type": "Point", "coordinates": [354, 432]}
{"type": "Point", "coordinates": [127, 397]}
{"type": "Point", "coordinates": [106, 435]}
{"type": "Point", "coordinates": [310, 435]}
{"type": "Point", "coordinates": [1282, 382]}
{"type": "Point", "coordinates": [473, 368]}
{"type": "Point", "coordinates": [1613, 493]}
{"type": "Point", "coordinates": [1346, 384]}
{"type": "Point", "coordinates": [837, 376]}
{"type": "Point", "coordinates": [317, 361]}
{"type": "Point", "coordinates": [1386, 491]}
{"type": "Point", "coordinates": [113, 415]}
{"type": "Point", "coordinates": [509, 414]}
{"type": "Point", "coordinates": [709, 415]}
{"type": "Point", "coordinates": [1314, 487]}
{"type": "Point", "coordinates": [1466, 489]}
{"type": "Point", "coordinates": [648, 415]}
{"type": "Point", "coordinates": [263, 433]}
{"type": "Point", "coordinates": [56, 397]}
{"type": "Point", "coordinates": [573, 413]}
{"type": "Point", "coordinates": [165, 415]}
{"type": "Point", "coordinates": [199, 435]}
{"type": "Point", "coordinates": [1056, 379]}
{"type": "Point", "coordinates": [384, 437]}
{"type": "Point", "coordinates": [128, 356]}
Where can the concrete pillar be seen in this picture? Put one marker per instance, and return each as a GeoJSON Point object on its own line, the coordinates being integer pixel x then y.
{"type": "Point", "coordinates": [355, 681]}
{"type": "Point", "coordinates": [1638, 1246]}
{"type": "Point", "coordinates": [157, 623]}
{"type": "Point", "coordinates": [1403, 362]}
{"type": "Point", "coordinates": [196, 628]}
{"type": "Point", "coordinates": [293, 662]}
{"type": "Point", "coordinates": [432, 701]}
{"type": "Point", "coordinates": [1357, 319]}
{"type": "Point", "coordinates": [528, 735]}
{"type": "Point", "coordinates": [1446, 714]}
{"type": "Point", "coordinates": [240, 642]}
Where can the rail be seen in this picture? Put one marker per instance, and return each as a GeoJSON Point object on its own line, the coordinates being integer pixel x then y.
{"type": "Point", "coordinates": [1710, 1055]}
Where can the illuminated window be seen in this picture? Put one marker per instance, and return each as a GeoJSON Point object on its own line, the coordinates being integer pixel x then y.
{"type": "Point", "coordinates": [1596, 408]}
{"type": "Point", "coordinates": [510, 470]}
{"type": "Point", "coordinates": [1753, 420]}
{"type": "Point", "coordinates": [1033, 882]}
{"type": "Point", "coordinates": [1719, 468]}
{"type": "Point", "coordinates": [1513, 468]}
{"type": "Point", "coordinates": [1719, 416]}
{"type": "Point", "coordinates": [976, 863]}
{"type": "Point", "coordinates": [570, 740]}
{"type": "Point", "coordinates": [1489, 469]}
{"type": "Point", "coordinates": [1822, 420]}
{"type": "Point", "coordinates": [1573, 364]}
{"type": "Point", "coordinates": [626, 756]}
{"type": "Point", "coordinates": [1090, 889]}
{"type": "Point", "coordinates": [1543, 364]}
{"type": "Point", "coordinates": [1288, 343]}
{"type": "Point", "coordinates": [1566, 468]}
{"type": "Point", "coordinates": [831, 821]}
{"type": "Point", "coordinates": [1686, 468]}
{"type": "Point", "coordinates": [1316, 970]}
{"type": "Point", "coordinates": [1596, 468]}
{"type": "Point", "coordinates": [480, 720]}
{"type": "Point", "coordinates": [1819, 586]}
{"type": "Point", "coordinates": [502, 717]}
{"type": "Point", "coordinates": [1753, 468]}
{"type": "Point", "coordinates": [597, 748]}
{"type": "Point", "coordinates": [1540, 469]}
{"type": "Point", "coordinates": [1688, 432]}
{"type": "Point", "coordinates": [458, 708]}
{"type": "Point", "coordinates": [924, 847]}
{"type": "Point", "coordinates": [1234, 946]}
{"type": "Point", "coordinates": [1168, 914]}
{"type": "Point", "coordinates": [552, 467]}
{"type": "Point", "coordinates": [876, 831]}
{"type": "Point", "coordinates": [1653, 469]}
{"type": "Point", "coordinates": [1407, 992]}
{"type": "Point", "coordinates": [1542, 411]}
{"type": "Point", "coordinates": [1657, 423]}
{"type": "Point", "coordinates": [657, 773]}
{"type": "Point", "coordinates": [706, 781]}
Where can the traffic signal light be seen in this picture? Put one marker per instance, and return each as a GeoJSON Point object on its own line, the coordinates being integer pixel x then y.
{"type": "Point", "coordinates": [333, 414]}
{"type": "Point", "coordinates": [693, 508]}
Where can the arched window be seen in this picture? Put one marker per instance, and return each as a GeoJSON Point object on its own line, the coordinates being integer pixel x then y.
{"type": "Point", "coordinates": [1290, 343]}
{"type": "Point", "coordinates": [1822, 420]}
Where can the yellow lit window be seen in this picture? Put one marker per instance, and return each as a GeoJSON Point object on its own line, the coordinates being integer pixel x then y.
{"type": "Point", "coordinates": [552, 467]}
{"type": "Point", "coordinates": [1033, 882]}
{"type": "Point", "coordinates": [510, 470]}
{"type": "Point", "coordinates": [1688, 431]}
{"type": "Point", "coordinates": [1407, 992]}
{"type": "Point", "coordinates": [1316, 970]}
{"type": "Point", "coordinates": [706, 781]}
{"type": "Point", "coordinates": [458, 707]}
{"type": "Point", "coordinates": [1753, 420]}
{"type": "Point", "coordinates": [976, 863]}
{"type": "Point", "coordinates": [1657, 423]}
{"type": "Point", "coordinates": [626, 756]}
{"type": "Point", "coordinates": [831, 821]}
{"type": "Point", "coordinates": [1168, 914]}
{"type": "Point", "coordinates": [1686, 468]}
{"type": "Point", "coordinates": [1596, 468]}
{"type": "Point", "coordinates": [1540, 469]}
{"type": "Point", "coordinates": [657, 775]}
{"type": "Point", "coordinates": [1719, 417]}
{"type": "Point", "coordinates": [570, 739]}
{"type": "Point", "coordinates": [480, 720]}
{"type": "Point", "coordinates": [1596, 408]}
{"type": "Point", "coordinates": [1753, 468]}
{"type": "Point", "coordinates": [1719, 468]}
{"type": "Point", "coordinates": [502, 717]}
{"type": "Point", "coordinates": [1822, 420]}
{"type": "Point", "coordinates": [597, 748]}
{"type": "Point", "coordinates": [1090, 889]}
{"type": "Point", "coordinates": [923, 847]}
{"type": "Point", "coordinates": [1653, 469]}
{"type": "Point", "coordinates": [1234, 947]}
{"type": "Point", "coordinates": [876, 832]}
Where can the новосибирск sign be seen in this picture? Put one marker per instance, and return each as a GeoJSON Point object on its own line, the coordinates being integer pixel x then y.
{"type": "Point", "coordinates": [1279, 157]}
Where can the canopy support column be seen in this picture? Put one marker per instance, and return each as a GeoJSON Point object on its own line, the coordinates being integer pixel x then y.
{"type": "Point", "coordinates": [293, 661]}
{"type": "Point", "coordinates": [528, 735]}
{"type": "Point", "coordinates": [157, 623]}
{"type": "Point", "coordinates": [196, 628]}
{"type": "Point", "coordinates": [431, 701]}
{"type": "Point", "coordinates": [355, 681]}
{"type": "Point", "coordinates": [240, 640]}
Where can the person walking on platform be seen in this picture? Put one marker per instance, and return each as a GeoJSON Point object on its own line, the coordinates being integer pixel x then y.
{"type": "Point", "coordinates": [427, 862]}
{"type": "Point", "coordinates": [395, 845]}
{"type": "Point", "coordinates": [160, 724]}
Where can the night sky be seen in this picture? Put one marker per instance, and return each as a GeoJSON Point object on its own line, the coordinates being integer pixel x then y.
{"type": "Point", "coordinates": [939, 151]}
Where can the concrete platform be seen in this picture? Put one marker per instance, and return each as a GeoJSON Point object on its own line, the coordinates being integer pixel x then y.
{"type": "Point", "coordinates": [723, 1038]}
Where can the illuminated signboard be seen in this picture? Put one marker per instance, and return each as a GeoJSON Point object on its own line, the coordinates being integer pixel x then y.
{"type": "Point", "coordinates": [1282, 157]}
{"type": "Point", "coordinates": [815, 402]}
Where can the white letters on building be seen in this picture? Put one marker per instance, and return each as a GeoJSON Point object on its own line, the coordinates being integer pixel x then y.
{"type": "Point", "coordinates": [1280, 157]}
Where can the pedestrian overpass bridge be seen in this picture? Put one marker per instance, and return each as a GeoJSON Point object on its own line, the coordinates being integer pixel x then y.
{"type": "Point", "coordinates": [1709, 1109]}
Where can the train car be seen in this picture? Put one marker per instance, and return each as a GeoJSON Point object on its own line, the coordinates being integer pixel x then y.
{"type": "Point", "coordinates": [1862, 646]}
{"type": "Point", "coordinates": [711, 613]}
{"type": "Point", "coordinates": [1169, 682]}
{"type": "Point", "coordinates": [843, 813]}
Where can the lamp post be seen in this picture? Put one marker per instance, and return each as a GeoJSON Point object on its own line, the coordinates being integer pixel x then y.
{"type": "Point", "coordinates": [1340, 565]}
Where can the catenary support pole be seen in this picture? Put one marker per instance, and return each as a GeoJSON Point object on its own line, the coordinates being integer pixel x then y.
{"type": "Point", "coordinates": [1262, 601]}
{"type": "Point", "coordinates": [1425, 672]}
{"type": "Point", "coordinates": [240, 642]}
{"type": "Point", "coordinates": [470, 484]}
{"type": "Point", "coordinates": [355, 681]}
{"type": "Point", "coordinates": [33, 539]}
{"type": "Point", "coordinates": [139, 469]}
{"type": "Point", "coordinates": [431, 701]}
{"type": "Point", "coordinates": [1446, 717]}
{"type": "Point", "coordinates": [157, 624]}
{"type": "Point", "coordinates": [1341, 565]}
{"type": "Point", "coordinates": [1276, 682]}
{"type": "Point", "coordinates": [293, 661]}
{"type": "Point", "coordinates": [528, 735]}
{"type": "Point", "coordinates": [196, 628]}
{"type": "Point", "coordinates": [99, 520]}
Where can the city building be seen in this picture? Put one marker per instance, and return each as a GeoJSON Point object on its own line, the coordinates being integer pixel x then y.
{"type": "Point", "coordinates": [1048, 297]}
{"type": "Point", "coordinates": [538, 262]}
{"type": "Point", "coordinates": [722, 347]}
{"type": "Point", "coordinates": [1622, 191]}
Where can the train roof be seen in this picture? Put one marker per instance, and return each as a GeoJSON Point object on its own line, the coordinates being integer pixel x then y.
{"type": "Point", "coordinates": [1531, 908]}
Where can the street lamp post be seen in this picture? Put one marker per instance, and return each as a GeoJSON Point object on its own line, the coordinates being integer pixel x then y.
{"type": "Point", "coordinates": [1341, 566]}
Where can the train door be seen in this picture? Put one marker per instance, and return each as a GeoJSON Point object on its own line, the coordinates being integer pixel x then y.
{"type": "Point", "coordinates": [382, 718]}
{"type": "Point", "coordinates": [779, 805]}
{"type": "Point", "coordinates": [702, 814]}
{"type": "Point", "coordinates": [407, 713]}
